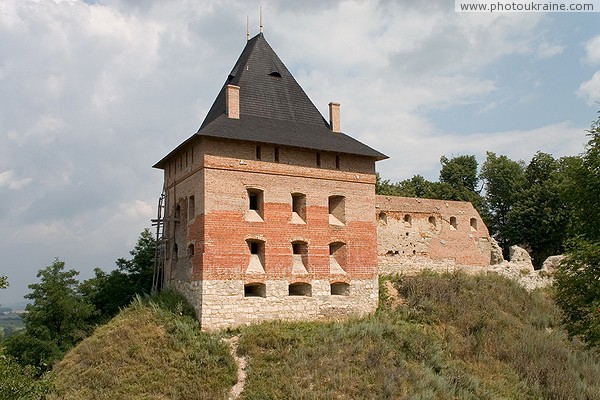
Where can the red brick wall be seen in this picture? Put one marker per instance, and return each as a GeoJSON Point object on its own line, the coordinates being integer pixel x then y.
{"type": "Point", "coordinates": [219, 172]}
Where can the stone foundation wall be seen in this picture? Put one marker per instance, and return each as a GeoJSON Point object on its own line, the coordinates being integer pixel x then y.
{"type": "Point", "coordinates": [221, 303]}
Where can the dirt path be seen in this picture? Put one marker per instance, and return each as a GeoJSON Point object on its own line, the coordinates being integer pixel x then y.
{"type": "Point", "coordinates": [238, 388]}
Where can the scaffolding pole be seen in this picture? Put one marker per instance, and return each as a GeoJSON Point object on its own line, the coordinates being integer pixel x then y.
{"type": "Point", "coordinates": [159, 255]}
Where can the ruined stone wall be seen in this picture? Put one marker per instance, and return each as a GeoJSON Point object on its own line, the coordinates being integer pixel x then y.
{"type": "Point", "coordinates": [414, 233]}
{"type": "Point", "coordinates": [305, 248]}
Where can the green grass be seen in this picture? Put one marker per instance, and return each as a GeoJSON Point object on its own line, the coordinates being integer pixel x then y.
{"type": "Point", "coordinates": [451, 336]}
{"type": "Point", "coordinates": [151, 350]}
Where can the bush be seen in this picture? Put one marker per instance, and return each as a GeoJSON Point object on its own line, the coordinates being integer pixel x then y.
{"type": "Point", "coordinates": [17, 382]}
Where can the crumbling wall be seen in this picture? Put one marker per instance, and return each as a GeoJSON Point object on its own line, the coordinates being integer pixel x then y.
{"type": "Point", "coordinates": [417, 231]}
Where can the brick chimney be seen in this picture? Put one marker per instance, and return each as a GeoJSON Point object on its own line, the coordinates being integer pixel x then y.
{"type": "Point", "coordinates": [232, 100]}
{"type": "Point", "coordinates": [334, 117]}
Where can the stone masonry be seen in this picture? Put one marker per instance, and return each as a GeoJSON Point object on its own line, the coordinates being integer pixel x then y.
{"type": "Point", "coordinates": [414, 232]}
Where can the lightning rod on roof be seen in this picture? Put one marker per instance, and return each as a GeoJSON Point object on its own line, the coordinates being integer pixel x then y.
{"type": "Point", "coordinates": [247, 28]}
{"type": "Point", "coordinates": [261, 24]}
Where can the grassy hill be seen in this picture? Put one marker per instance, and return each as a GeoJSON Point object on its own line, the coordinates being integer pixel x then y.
{"type": "Point", "coordinates": [149, 351]}
{"type": "Point", "coordinates": [433, 337]}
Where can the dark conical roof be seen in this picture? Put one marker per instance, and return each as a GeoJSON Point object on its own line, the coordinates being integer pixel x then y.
{"type": "Point", "coordinates": [273, 108]}
{"type": "Point", "coordinates": [267, 89]}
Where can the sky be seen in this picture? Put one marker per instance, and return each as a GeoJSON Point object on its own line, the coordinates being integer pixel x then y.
{"type": "Point", "coordinates": [93, 93]}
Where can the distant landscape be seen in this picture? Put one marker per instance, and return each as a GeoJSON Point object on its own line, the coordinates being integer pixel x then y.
{"type": "Point", "coordinates": [10, 318]}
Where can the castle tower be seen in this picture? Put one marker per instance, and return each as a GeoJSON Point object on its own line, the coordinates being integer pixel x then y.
{"type": "Point", "coordinates": [269, 208]}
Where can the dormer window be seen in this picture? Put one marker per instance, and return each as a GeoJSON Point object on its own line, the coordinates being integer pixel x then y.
{"type": "Point", "coordinates": [275, 74]}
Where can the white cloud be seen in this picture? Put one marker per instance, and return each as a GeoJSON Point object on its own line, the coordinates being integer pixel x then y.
{"type": "Point", "coordinates": [590, 90]}
{"type": "Point", "coordinates": [549, 50]}
{"type": "Point", "coordinates": [137, 209]}
{"type": "Point", "coordinates": [592, 48]}
{"type": "Point", "coordinates": [43, 131]}
{"type": "Point", "coordinates": [8, 180]}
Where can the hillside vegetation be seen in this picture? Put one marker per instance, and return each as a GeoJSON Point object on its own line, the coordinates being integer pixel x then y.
{"type": "Point", "coordinates": [433, 337]}
{"type": "Point", "coordinates": [148, 351]}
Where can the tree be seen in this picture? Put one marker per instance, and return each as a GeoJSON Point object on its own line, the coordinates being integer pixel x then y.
{"type": "Point", "coordinates": [459, 181]}
{"type": "Point", "coordinates": [385, 187]}
{"type": "Point", "coordinates": [140, 268]}
{"type": "Point", "coordinates": [504, 180]}
{"type": "Point", "coordinates": [111, 292]}
{"type": "Point", "coordinates": [578, 291]}
{"type": "Point", "coordinates": [539, 218]}
{"type": "Point", "coordinates": [417, 186]}
{"type": "Point", "coordinates": [460, 172]}
{"type": "Point", "coordinates": [58, 318]}
{"type": "Point", "coordinates": [578, 276]}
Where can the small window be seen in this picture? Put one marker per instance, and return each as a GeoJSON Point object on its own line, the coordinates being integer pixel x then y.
{"type": "Point", "coordinates": [255, 199]}
{"type": "Point", "coordinates": [191, 207]}
{"type": "Point", "coordinates": [177, 213]}
{"type": "Point", "coordinates": [318, 159]}
{"type": "Point", "coordinates": [276, 154]}
{"type": "Point", "coordinates": [255, 290]}
{"type": "Point", "coordinates": [298, 207]}
{"type": "Point", "coordinates": [258, 153]}
{"type": "Point", "coordinates": [337, 258]}
{"type": "Point", "coordinates": [407, 219]}
{"type": "Point", "coordinates": [340, 289]}
{"type": "Point", "coordinates": [337, 210]}
{"type": "Point", "coordinates": [383, 218]}
{"type": "Point", "coordinates": [299, 257]}
{"type": "Point", "coordinates": [337, 162]}
{"type": "Point", "coordinates": [257, 256]}
{"type": "Point", "coordinates": [473, 224]}
{"type": "Point", "coordinates": [300, 289]}
{"type": "Point", "coordinates": [275, 74]}
{"type": "Point", "coordinates": [453, 223]}
{"type": "Point", "coordinates": [190, 250]}
{"type": "Point", "coordinates": [300, 248]}
{"type": "Point", "coordinates": [432, 221]}
{"type": "Point", "coordinates": [255, 206]}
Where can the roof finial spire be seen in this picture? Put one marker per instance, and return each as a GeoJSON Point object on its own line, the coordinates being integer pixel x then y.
{"type": "Point", "coordinates": [247, 28]}
{"type": "Point", "coordinates": [261, 24]}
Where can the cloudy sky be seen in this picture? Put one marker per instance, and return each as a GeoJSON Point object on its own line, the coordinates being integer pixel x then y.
{"type": "Point", "coordinates": [93, 93]}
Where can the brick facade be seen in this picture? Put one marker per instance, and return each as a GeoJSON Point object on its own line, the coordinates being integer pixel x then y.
{"type": "Point", "coordinates": [212, 230]}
